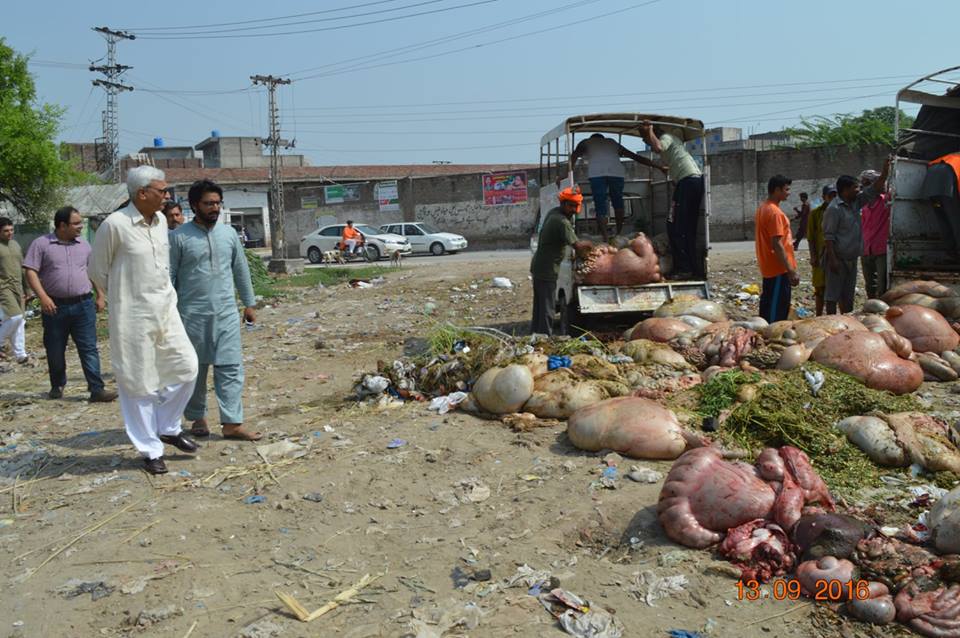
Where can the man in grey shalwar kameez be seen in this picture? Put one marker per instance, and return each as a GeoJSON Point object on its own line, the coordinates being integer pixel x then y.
{"type": "Point", "coordinates": [209, 268]}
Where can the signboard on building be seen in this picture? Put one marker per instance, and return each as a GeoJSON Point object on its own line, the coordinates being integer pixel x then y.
{"type": "Point", "coordinates": [341, 193]}
{"type": "Point", "coordinates": [388, 196]}
{"type": "Point", "coordinates": [504, 188]}
{"type": "Point", "coordinates": [309, 202]}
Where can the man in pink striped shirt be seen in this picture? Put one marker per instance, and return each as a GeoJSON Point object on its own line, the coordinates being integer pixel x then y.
{"type": "Point", "coordinates": [875, 221]}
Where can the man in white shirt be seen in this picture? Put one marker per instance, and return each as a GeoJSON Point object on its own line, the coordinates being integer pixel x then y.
{"type": "Point", "coordinates": [153, 360]}
{"type": "Point", "coordinates": [606, 175]}
{"type": "Point", "coordinates": [687, 197]}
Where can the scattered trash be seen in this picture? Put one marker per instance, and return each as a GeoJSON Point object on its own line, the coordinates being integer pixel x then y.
{"type": "Point", "coordinates": [803, 313]}
{"type": "Point", "coordinates": [461, 346]}
{"type": "Point", "coordinates": [444, 404]}
{"type": "Point", "coordinates": [438, 620]}
{"type": "Point", "coordinates": [815, 380]}
{"type": "Point", "coordinates": [683, 633]}
{"type": "Point", "coordinates": [96, 588]}
{"type": "Point", "coordinates": [280, 450]}
{"type": "Point", "coordinates": [502, 282]}
{"type": "Point", "coordinates": [750, 289]}
{"type": "Point", "coordinates": [253, 499]}
{"type": "Point", "coordinates": [184, 473]}
{"type": "Point", "coordinates": [578, 618]}
{"type": "Point", "coordinates": [149, 617]}
{"type": "Point", "coordinates": [429, 308]}
{"type": "Point", "coordinates": [360, 283]}
{"type": "Point", "coordinates": [658, 587]}
{"type": "Point", "coordinates": [395, 443]}
{"type": "Point", "coordinates": [5, 522]}
{"type": "Point", "coordinates": [555, 361]}
{"type": "Point", "coordinates": [263, 628]}
{"type": "Point", "coordinates": [619, 358]}
{"type": "Point", "coordinates": [610, 473]}
{"type": "Point", "coordinates": [528, 577]}
{"type": "Point", "coordinates": [473, 491]}
{"type": "Point", "coordinates": [314, 497]}
{"type": "Point", "coordinates": [306, 616]}
{"type": "Point", "coordinates": [376, 384]}
{"type": "Point", "coordinates": [644, 474]}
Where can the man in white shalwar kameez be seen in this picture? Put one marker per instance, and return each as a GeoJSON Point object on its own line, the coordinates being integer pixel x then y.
{"type": "Point", "coordinates": [153, 360]}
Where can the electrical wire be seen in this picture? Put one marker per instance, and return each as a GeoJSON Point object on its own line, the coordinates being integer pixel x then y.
{"type": "Point", "coordinates": [680, 103]}
{"type": "Point", "coordinates": [615, 95]}
{"type": "Point", "coordinates": [208, 36]}
{"type": "Point", "coordinates": [286, 17]}
{"type": "Point", "coordinates": [203, 31]}
{"type": "Point", "coordinates": [444, 39]}
{"type": "Point", "coordinates": [482, 44]}
{"type": "Point", "coordinates": [183, 102]}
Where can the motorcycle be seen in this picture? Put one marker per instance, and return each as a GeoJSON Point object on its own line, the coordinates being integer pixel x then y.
{"type": "Point", "coordinates": [361, 252]}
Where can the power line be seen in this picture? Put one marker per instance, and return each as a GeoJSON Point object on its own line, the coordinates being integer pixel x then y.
{"type": "Point", "coordinates": [409, 48]}
{"type": "Point", "coordinates": [482, 44]}
{"type": "Point", "coordinates": [674, 103]}
{"type": "Point", "coordinates": [203, 30]}
{"type": "Point", "coordinates": [286, 17]}
{"type": "Point", "coordinates": [413, 150]}
{"type": "Point", "coordinates": [208, 36]}
{"type": "Point", "coordinates": [614, 95]}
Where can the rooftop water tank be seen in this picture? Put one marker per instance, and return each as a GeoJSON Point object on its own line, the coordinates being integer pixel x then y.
{"type": "Point", "coordinates": [158, 142]}
{"type": "Point", "coordinates": [214, 133]}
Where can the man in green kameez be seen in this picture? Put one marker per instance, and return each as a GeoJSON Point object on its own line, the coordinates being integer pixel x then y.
{"type": "Point", "coordinates": [209, 268]}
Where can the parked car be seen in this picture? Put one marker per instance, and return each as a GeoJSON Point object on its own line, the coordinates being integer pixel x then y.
{"type": "Point", "coordinates": [426, 238]}
{"type": "Point", "coordinates": [379, 244]}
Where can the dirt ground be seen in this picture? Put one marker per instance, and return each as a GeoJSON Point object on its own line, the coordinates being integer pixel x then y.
{"type": "Point", "coordinates": [92, 546]}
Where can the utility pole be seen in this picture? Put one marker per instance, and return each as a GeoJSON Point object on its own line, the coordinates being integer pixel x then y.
{"type": "Point", "coordinates": [279, 262]}
{"type": "Point", "coordinates": [109, 162]}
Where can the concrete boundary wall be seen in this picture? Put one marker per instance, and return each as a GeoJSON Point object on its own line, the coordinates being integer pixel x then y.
{"type": "Point", "coordinates": [454, 202]}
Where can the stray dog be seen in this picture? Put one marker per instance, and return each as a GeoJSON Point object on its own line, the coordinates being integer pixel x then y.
{"type": "Point", "coordinates": [396, 258]}
{"type": "Point", "coordinates": [331, 256]}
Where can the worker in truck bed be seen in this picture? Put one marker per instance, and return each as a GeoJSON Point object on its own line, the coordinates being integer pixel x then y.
{"type": "Point", "coordinates": [687, 197]}
{"type": "Point", "coordinates": [606, 175]}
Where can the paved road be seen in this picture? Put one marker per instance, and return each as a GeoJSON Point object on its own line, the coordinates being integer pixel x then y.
{"type": "Point", "coordinates": [488, 256]}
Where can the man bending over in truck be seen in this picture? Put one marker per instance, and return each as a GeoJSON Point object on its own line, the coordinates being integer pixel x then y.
{"type": "Point", "coordinates": [606, 175]}
{"type": "Point", "coordinates": [774, 245]}
{"type": "Point", "coordinates": [687, 196]}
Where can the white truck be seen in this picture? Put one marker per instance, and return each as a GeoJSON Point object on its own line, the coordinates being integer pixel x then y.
{"type": "Point", "coordinates": [924, 238]}
{"type": "Point", "coordinates": [648, 197]}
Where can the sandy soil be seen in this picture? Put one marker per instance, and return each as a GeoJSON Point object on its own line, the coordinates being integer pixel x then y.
{"type": "Point", "coordinates": [95, 547]}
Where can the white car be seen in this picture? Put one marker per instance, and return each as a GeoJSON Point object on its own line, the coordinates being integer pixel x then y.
{"type": "Point", "coordinates": [425, 238]}
{"type": "Point", "coordinates": [379, 244]}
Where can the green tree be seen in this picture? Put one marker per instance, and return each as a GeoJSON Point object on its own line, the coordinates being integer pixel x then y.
{"type": "Point", "coordinates": [873, 126]}
{"type": "Point", "coordinates": [32, 175]}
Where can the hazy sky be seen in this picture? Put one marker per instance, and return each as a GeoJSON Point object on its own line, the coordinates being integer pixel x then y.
{"type": "Point", "coordinates": [472, 80]}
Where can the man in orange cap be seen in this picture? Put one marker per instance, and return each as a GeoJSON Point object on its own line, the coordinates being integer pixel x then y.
{"type": "Point", "coordinates": [556, 235]}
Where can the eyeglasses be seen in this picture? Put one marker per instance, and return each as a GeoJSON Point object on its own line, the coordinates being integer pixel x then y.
{"type": "Point", "coordinates": [218, 203]}
{"type": "Point", "coordinates": [162, 191]}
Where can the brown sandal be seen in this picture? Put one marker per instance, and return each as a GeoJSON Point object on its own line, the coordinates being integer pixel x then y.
{"type": "Point", "coordinates": [240, 434]}
{"type": "Point", "coordinates": [199, 429]}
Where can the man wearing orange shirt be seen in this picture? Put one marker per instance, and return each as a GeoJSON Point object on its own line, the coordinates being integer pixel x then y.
{"type": "Point", "coordinates": [351, 237]}
{"type": "Point", "coordinates": [774, 245]}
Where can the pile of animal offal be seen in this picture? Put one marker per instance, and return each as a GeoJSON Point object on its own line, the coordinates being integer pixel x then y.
{"type": "Point", "coordinates": [772, 430]}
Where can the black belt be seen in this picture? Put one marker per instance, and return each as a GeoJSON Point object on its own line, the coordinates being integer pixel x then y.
{"type": "Point", "coordinates": [66, 301]}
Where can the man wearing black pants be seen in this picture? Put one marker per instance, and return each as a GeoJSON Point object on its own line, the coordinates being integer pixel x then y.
{"type": "Point", "coordinates": [687, 197]}
{"type": "Point", "coordinates": [556, 235]}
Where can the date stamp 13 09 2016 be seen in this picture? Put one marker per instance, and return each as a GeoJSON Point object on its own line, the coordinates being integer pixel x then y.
{"type": "Point", "coordinates": [826, 590]}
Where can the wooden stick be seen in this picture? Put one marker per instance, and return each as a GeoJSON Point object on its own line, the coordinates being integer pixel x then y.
{"type": "Point", "coordinates": [781, 614]}
{"type": "Point", "coordinates": [138, 532]}
{"type": "Point", "coordinates": [45, 478]}
{"type": "Point", "coordinates": [86, 532]}
{"type": "Point", "coordinates": [13, 494]}
{"type": "Point", "coordinates": [304, 616]}
{"type": "Point", "coordinates": [192, 627]}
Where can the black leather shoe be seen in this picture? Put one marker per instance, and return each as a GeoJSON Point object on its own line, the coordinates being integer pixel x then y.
{"type": "Point", "coordinates": [55, 393]}
{"type": "Point", "coordinates": [155, 466]}
{"type": "Point", "coordinates": [180, 442]}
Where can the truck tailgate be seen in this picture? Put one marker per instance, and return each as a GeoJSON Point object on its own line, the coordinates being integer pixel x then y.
{"type": "Point", "coordinates": [647, 298]}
